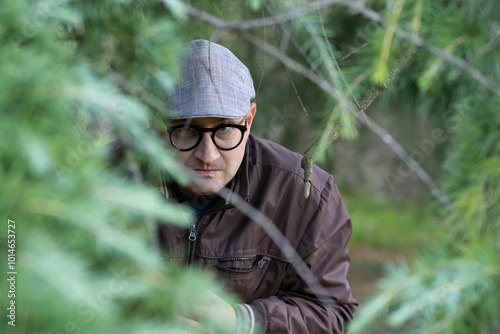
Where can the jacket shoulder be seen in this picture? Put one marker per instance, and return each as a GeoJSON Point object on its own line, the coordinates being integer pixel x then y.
{"type": "Point", "coordinates": [270, 155]}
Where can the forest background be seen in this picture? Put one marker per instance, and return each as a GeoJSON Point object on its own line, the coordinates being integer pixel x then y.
{"type": "Point", "coordinates": [412, 87]}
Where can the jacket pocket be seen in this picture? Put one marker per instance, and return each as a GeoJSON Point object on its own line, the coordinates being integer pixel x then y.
{"type": "Point", "coordinates": [243, 267]}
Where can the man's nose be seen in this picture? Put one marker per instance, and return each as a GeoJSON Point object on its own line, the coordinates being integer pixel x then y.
{"type": "Point", "coordinates": [206, 151]}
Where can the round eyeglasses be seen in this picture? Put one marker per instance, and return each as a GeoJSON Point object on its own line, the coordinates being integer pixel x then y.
{"type": "Point", "coordinates": [224, 136]}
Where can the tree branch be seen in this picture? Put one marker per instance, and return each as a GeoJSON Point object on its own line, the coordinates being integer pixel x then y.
{"type": "Point", "coordinates": [366, 100]}
{"type": "Point", "coordinates": [312, 153]}
{"type": "Point", "coordinates": [356, 7]}
{"type": "Point", "coordinates": [399, 150]}
{"type": "Point", "coordinates": [449, 58]}
{"type": "Point", "coordinates": [318, 146]}
{"type": "Point", "coordinates": [279, 18]}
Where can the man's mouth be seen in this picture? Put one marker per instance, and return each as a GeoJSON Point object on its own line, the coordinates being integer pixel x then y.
{"type": "Point", "coordinates": [206, 172]}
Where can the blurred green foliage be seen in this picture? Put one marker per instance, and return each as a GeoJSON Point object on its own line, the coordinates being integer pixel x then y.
{"type": "Point", "coordinates": [75, 75]}
{"type": "Point", "coordinates": [450, 287]}
{"type": "Point", "coordinates": [72, 74]}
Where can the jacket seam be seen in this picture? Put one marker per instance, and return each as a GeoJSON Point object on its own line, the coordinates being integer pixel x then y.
{"type": "Point", "coordinates": [324, 200]}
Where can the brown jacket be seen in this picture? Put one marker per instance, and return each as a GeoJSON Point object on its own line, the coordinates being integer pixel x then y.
{"type": "Point", "coordinates": [252, 265]}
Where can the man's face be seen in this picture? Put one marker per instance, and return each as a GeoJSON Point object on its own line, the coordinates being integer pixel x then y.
{"type": "Point", "coordinates": [213, 168]}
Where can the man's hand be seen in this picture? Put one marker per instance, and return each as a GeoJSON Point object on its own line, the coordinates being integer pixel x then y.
{"type": "Point", "coordinates": [211, 307]}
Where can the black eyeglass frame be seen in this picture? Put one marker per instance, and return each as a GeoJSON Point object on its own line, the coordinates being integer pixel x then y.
{"type": "Point", "coordinates": [242, 128]}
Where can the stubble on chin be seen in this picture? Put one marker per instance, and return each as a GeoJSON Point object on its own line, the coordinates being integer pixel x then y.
{"type": "Point", "coordinates": [202, 187]}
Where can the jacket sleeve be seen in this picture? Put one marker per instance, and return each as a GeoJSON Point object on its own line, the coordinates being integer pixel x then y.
{"type": "Point", "coordinates": [295, 308]}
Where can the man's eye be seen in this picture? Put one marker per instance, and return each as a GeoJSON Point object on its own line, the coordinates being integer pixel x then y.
{"type": "Point", "coordinates": [224, 129]}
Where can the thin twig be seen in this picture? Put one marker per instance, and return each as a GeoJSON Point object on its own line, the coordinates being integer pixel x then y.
{"type": "Point", "coordinates": [290, 77]}
{"type": "Point", "coordinates": [265, 54]}
{"type": "Point", "coordinates": [294, 41]}
{"type": "Point", "coordinates": [364, 45]}
{"type": "Point", "coordinates": [332, 55]}
{"type": "Point", "coordinates": [491, 45]}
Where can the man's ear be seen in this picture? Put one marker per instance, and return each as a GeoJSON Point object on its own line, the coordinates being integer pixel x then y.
{"type": "Point", "coordinates": [251, 114]}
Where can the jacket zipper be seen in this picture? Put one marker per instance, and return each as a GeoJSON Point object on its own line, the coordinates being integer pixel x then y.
{"type": "Point", "coordinates": [192, 239]}
{"type": "Point", "coordinates": [192, 230]}
{"type": "Point", "coordinates": [263, 261]}
{"type": "Point", "coordinates": [236, 259]}
{"type": "Point", "coordinates": [192, 234]}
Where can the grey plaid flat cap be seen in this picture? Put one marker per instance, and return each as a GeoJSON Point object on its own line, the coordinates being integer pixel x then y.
{"type": "Point", "coordinates": [214, 83]}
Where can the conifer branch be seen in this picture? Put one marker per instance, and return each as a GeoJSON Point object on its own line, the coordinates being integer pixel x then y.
{"type": "Point", "coordinates": [313, 152]}
{"type": "Point", "coordinates": [321, 144]}
{"type": "Point", "coordinates": [449, 58]}
{"type": "Point", "coordinates": [357, 7]}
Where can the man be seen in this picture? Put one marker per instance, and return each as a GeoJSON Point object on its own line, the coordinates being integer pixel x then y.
{"type": "Point", "coordinates": [209, 119]}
